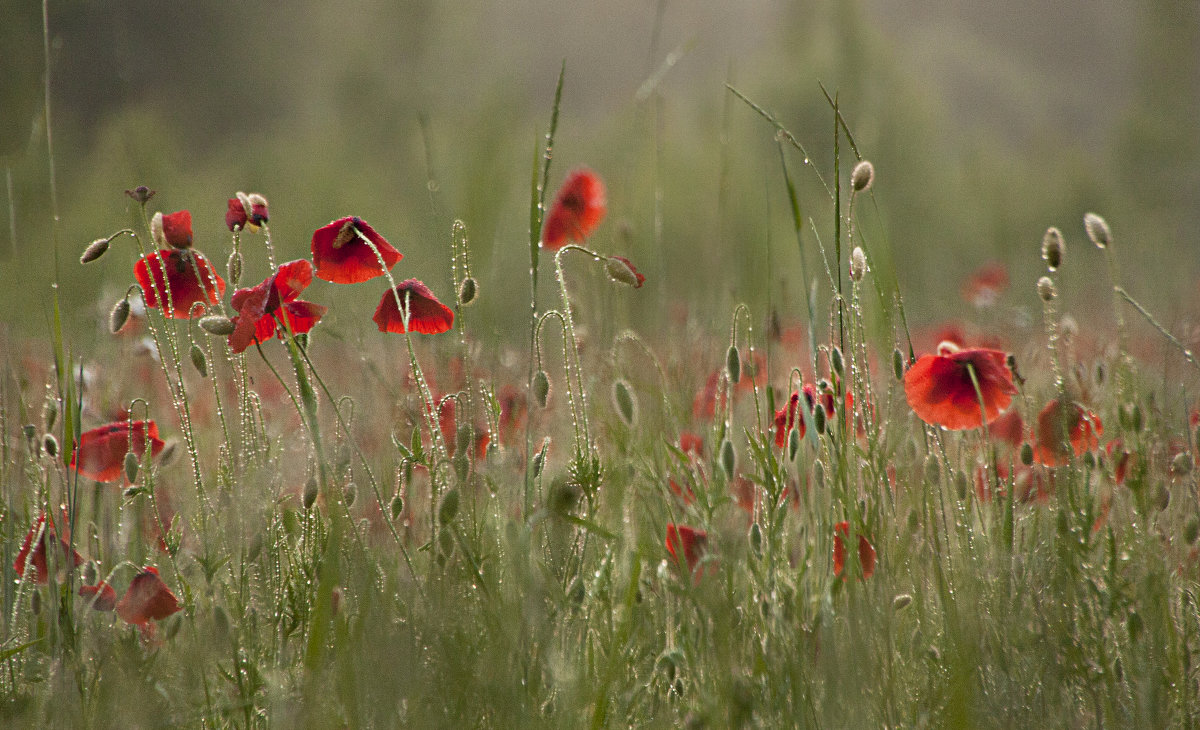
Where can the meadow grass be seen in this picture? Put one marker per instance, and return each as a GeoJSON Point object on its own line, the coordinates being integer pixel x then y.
{"type": "Point", "coordinates": [584, 525]}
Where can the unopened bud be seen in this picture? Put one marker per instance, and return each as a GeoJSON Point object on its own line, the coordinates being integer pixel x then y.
{"type": "Point", "coordinates": [793, 444]}
{"type": "Point", "coordinates": [733, 364]}
{"type": "Point", "coordinates": [448, 509]}
{"type": "Point", "coordinates": [310, 492]}
{"type": "Point", "coordinates": [50, 413]}
{"type": "Point", "coordinates": [131, 467]}
{"type": "Point", "coordinates": [728, 459]}
{"type": "Point", "coordinates": [1097, 230]}
{"type": "Point", "coordinates": [397, 506]}
{"type": "Point", "coordinates": [624, 402]}
{"type": "Point", "coordinates": [198, 360]}
{"type": "Point", "coordinates": [118, 316]}
{"type": "Point", "coordinates": [95, 250]}
{"type": "Point", "coordinates": [539, 459]}
{"type": "Point", "coordinates": [50, 445]}
{"type": "Point", "coordinates": [233, 267]}
{"type": "Point", "coordinates": [619, 269]}
{"type": "Point", "coordinates": [1046, 289]}
{"type": "Point", "coordinates": [1182, 463]}
{"type": "Point", "coordinates": [1191, 530]}
{"type": "Point", "coordinates": [863, 176]}
{"type": "Point", "coordinates": [756, 539]}
{"type": "Point", "coordinates": [217, 324]}
{"type": "Point", "coordinates": [901, 601]}
{"type": "Point", "coordinates": [858, 264]}
{"type": "Point", "coordinates": [836, 362]}
{"type": "Point", "coordinates": [898, 364]}
{"type": "Point", "coordinates": [350, 493]}
{"type": "Point", "coordinates": [541, 388]}
{"type": "Point", "coordinates": [467, 291]}
{"type": "Point", "coordinates": [1053, 248]}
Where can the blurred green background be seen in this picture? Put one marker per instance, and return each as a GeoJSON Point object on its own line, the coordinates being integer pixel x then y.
{"type": "Point", "coordinates": [986, 122]}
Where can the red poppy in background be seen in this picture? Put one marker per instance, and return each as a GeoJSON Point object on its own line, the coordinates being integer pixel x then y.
{"type": "Point", "coordinates": [791, 416]}
{"type": "Point", "coordinates": [343, 257]}
{"type": "Point", "coordinates": [704, 404]}
{"type": "Point", "coordinates": [984, 287]}
{"type": "Point", "coordinates": [147, 599]}
{"type": "Point", "coordinates": [186, 288]}
{"type": "Point", "coordinates": [866, 553]}
{"type": "Point", "coordinates": [272, 307]}
{"type": "Point", "coordinates": [691, 443]}
{"type": "Point", "coordinates": [689, 545]}
{"type": "Point", "coordinates": [105, 596]}
{"type": "Point", "coordinates": [940, 390]}
{"type": "Point", "coordinates": [100, 453]}
{"type": "Point", "coordinates": [426, 314]}
{"type": "Point", "coordinates": [578, 208]}
{"type": "Point", "coordinates": [1009, 428]}
{"type": "Point", "coordinates": [177, 229]}
{"type": "Point", "coordinates": [49, 534]}
{"type": "Point", "coordinates": [1064, 427]}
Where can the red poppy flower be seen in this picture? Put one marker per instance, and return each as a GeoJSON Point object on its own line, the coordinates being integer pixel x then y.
{"type": "Point", "coordinates": [246, 211]}
{"type": "Point", "coordinates": [272, 307]}
{"type": "Point", "coordinates": [177, 229]}
{"type": "Point", "coordinates": [577, 210]}
{"type": "Point", "coordinates": [343, 257]}
{"type": "Point", "coordinates": [940, 390]}
{"type": "Point", "coordinates": [104, 595]}
{"type": "Point", "coordinates": [186, 288]}
{"type": "Point", "coordinates": [147, 599]}
{"type": "Point", "coordinates": [691, 542]}
{"type": "Point", "coordinates": [791, 416]}
{"type": "Point", "coordinates": [866, 553]}
{"type": "Point", "coordinates": [48, 534]}
{"type": "Point", "coordinates": [426, 313]}
{"type": "Point", "coordinates": [100, 453]}
{"type": "Point", "coordinates": [1062, 428]}
{"type": "Point", "coordinates": [985, 286]}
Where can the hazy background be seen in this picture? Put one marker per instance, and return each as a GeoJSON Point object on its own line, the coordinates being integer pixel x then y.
{"type": "Point", "coordinates": [987, 122]}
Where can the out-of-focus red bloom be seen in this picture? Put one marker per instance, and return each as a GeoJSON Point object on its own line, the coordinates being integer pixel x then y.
{"type": "Point", "coordinates": [148, 599]}
{"type": "Point", "coordinates": [1009, 428]}
{"type": "Point", "coordinates": [426, 313]}
{"type": "Point", "coordinates": [100, 453]}
{"type": "Point", "coordinates": [104, 595]}
{"type": "Point", "coordinates": [688, 544]}
{"type": "Point", "coordinates": [790, 416]}
{"type": "Point", "coordinates": [578, 208]}
{"type": "Point", "coordinates": [1064, 427]}
{"type": "Point", "coordinates": [690, 443]}
{"type": "Point", "coordinates": [186, 287]}
{"type": "Point", "coordinates": [343, 257]}
{"type": "Point", "coordinates": [683, 492]}
{"type": "Point", "coordinates": [866, 553]}
{"type": "Point", "coordinates": [1121, 459]}
{"type": "Point", "coordinates": [513, 410]}
{"type": "Point", "coordinates": [940, 390]}
{"type": "Point", "coordinates": [177, 229]}
{"type": "Point", "coordinates": [49, 535]}
{"type": "Point", "coordinates": [985, 286]}
{"type": "Point", "coordinates": [704, 405]}
{"type": "Point", "coordinates": [272, 307]}
{"type": "Point", "coordinates": [448, 423]}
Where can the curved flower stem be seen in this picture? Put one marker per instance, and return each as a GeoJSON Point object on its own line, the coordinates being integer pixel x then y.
{"type": "Point", "coordinates": [576, 417]}
{"type": "Point", "coordinates": [573, 361]}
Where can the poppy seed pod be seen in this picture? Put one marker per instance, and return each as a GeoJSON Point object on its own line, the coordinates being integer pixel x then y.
{"type": "Point", "coordinates": [1053, 248]}
{"type": "Point", "coordinates": [863, 176]}
{"type": "Point", "coordinates": [1097, 230]}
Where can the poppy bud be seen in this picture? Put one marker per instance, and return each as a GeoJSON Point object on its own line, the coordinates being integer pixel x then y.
{"type": "Point", "coordinates": [448, 509]}
{"type": "Point", "coordinates": [819, 475]}
{"type": "Point", "coordinates": [1046, 289]}
{"type": "Point", "coordinates": [90, 573]}
{"type": "Point", "coordinates": [233, 267]}
{"type": "Point", "coordinates": [933, 472]}
{"type": "Point", "coordinates": [95, 250]}
{"type": "Point", "coordinates": [728, 459]}
{"type": "Point", "coordinates": [836, 362]}
{"type": "Point", "coordinates": [141, 194]}
{"type": "Point", "coordinates": [756, 539]}
{"type": "Point", "coordinates": [1162, 499]}
{"type": "Point", "coordinates": [858, 264]}
{"type": "Point", "coordinates": [819, 419]}
{"type": "Point", "coordinates": [50, 445]}
{"type": "Point", "coordinates": [624, 402]}
{"type": "Point", "coordinates": [901, 601]}
{"type": "Point", "coordinates": [1053, 248]}
{"type": "Point", "coordinates": [310, 492]}
{"type": "Point", "coordinates": [198, 360]}
{"type": "Point", "coordinates": [1097, 230]}
{"type": "Point", "coordinates": [897, 364]}
{"type": "Point", "coordinates": [621, 271]}
{"type": "Point", "coordinates": [216, 324]}
{"type": "Point", "coordinates": [539, 459]}
{"type": "Point", "coordinates": [467, 291]}
{"type": "Point", "coordinates": [156, 230]}
{"type": "Point", "coordinates": [793, 444]}
{"type": "Point", "coordinates": [118, 316]}
{"type": "Point", "coordinates": [1191, 530]}
{"type": "Point", "coordinates": [397, 506]}
{"type": "Point", "coordinates": [733, 364]}
{"type": "Point", "coordinates": [863, 176]}
{"type": "Point", "coordinates": [50, 413]}
{"type": "Point", "coordinates": [1026, 454]}
{"type": "Point", "coordinates": [131, 466]}
{"type": "Point", "coordinates": [541, 388]}
{"type": "Point", "coordinates": [350, 493]}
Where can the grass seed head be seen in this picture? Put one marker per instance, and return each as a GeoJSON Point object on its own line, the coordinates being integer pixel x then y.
{"type": "Point", "coordinates": [863, 176]}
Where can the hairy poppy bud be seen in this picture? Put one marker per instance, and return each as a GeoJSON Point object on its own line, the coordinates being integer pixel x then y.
{"type": "Point", "coordinates": [620, 270]}
{"type": "Point", "coordinates": [131, 466]}
{"type": "Point", "coordinates": [467, 291]}
{"type": "Point", "coordinates": [216, 324]}
{"type": "Point", "coordinates": [733, 364]}
{"type": "Point", "coordinates": [539, 459]}
{"type": "Point", "coordinates": [1046, 289]}
{"type": "Point", "coordinates": [901, 601]}
{"type": "Point", "coordinates": [858, 264]}
{"type": "Point", "coordinates": [95, 250]}
{"type": "Point", "coordinates": [310, 492]}
{"type": "Point", "coordinates": [863, 176]}
{"type": "Point", "coordinates": [397, 506]}
{"type": "Point", "coordinates": [1053, 248]}
{"type": "Point", "coordinates": [624, 402]}
{"type": "Point", "coordinates": [118, 316]}
{"type": "Point", "coordinates": [198, 360]}
{"type": "Point", "coordinates": [50, 445]}
{"type": "Point", "coordinates": [350, 493]}
{"type": "Point", "coordinates": [448, 509]}
{"type": "Point", "coordinates": [728, 459]}
{"type": "Point", "coordinates": [898, 364]}
{"type": "Point", "coordinates": [1097, 230]}
{"type": "Point", "coordinates": [541, 388]}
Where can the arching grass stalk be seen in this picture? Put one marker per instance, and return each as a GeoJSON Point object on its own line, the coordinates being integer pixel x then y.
{"type": "Point", "coordinates": [632, 337]}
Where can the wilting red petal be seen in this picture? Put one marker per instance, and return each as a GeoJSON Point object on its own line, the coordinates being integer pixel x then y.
{"type": "Point", "coordinates": [105, 596]}
{"type": "Point", "coordinates": [940, 390]}
{"type": "Point", "coordinates": [100, 453]}
{"type": "Point", "coordinates": [235, 215]}
{"type": "Point", "coordinates": [985, 286]}
{"type": "Point", "coordinates": [177, 229]}
{"type": "Point", "coordinates": [1081, 429]}
{"type": "Point", "coordinates": [41, 569]}
{"type": "Point", "coordinates": [689, 541]}
{"type": "Point", "coordinates": [866, 553]}
{"type": "Point", "coordinates": [148, 598]}
{"type": "Point", "coordinates": [342, 257]}
{"type": "Point", "coordinates": [185, 288]}
{"type": "Point", "coordinates": [426, 314]}
{"type": "Point", "coordinates": [578, 208]}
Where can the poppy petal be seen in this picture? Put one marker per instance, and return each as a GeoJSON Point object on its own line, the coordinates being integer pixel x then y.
{"type": "Point", "coordinates": [941, 392]}
{"type": "Point", "coordinates": [427, 314]}
{"type": "Point", "coordinates": [300, 315]}
{"type": "Point", "coordinates": [578, 208]}
{"type": "Point", "coordinates": [180, 281]}
{"type": "Point", "coordinates": [100, 453]}
{"type": "Point", "coordinates": [342, 257]}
